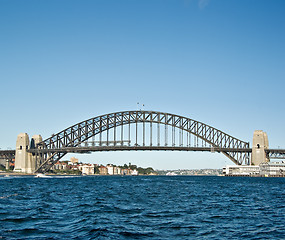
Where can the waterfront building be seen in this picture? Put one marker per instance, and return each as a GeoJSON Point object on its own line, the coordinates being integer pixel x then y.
{"type": "Point", "coordinates": [103, 170]}
{"type": "Point", "coordinates": [117, 171]}
{"type": "Point", "coordinates": [265, 169]}
{"type": "Point", "coordinates": [87, 169]}
{"type": "Point", "coordinates": [60, 166]}
{"type": "Point", "coordinates": [110, 169]}
{"type": "Point", "coordinates": [134, 172]}
{"type": "Point", "coordinates": [238, 170]}
{"type": "Point", "coordinates": [126, 171]}
{"type": "Point", "coordinates": [272, 169]}
{"type": "Point", "coordinates": [74, 167]}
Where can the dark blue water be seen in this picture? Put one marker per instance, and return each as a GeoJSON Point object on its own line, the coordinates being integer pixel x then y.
{"type": "Point", "coordinates": [142, 207]}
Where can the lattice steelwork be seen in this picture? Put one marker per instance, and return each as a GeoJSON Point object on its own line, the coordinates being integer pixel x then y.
{"type": "Point", "coordinates": [275, 153]}
{"type": "Point", "coordinates": [140, 130]}
{"type": "Point", "coordinates": [7, 154]}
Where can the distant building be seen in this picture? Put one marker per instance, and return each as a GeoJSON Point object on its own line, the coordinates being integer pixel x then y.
{"type": "Point", "coordinates": [117, 171]}
{"type": "Point", "coordinates": [110, 169]}
{"type": "Point", "coordinates": [60, 166]}
{"type": "Point", "coordinates": [134, 172]}
{"type": "Point", "coordinates": [87, 169]}
{"type": "Point", "coordinates": [103, 170]}
{"type": "Point", "coordinates": [74, 167]}
{"type": "Point", "coordinates": [74, 160]}
{"type": "Point", "coordinates": [126, 171]}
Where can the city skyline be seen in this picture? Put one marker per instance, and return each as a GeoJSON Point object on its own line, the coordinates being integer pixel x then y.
{"type": "Point", "coordinates": [218, 62]}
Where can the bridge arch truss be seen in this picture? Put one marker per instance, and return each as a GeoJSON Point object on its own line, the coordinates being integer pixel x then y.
{"type": "Point", "coordinates": [189, 132]}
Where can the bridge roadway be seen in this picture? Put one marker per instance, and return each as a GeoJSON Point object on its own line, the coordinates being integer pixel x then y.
{"type": "Point", "coordinates": [90, 149]}
{"type": "Point", "coordinates": [272, 153]}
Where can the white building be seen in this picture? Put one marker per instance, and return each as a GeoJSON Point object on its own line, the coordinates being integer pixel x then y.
{"type": "Point", "coordinates": [110, 169]}
{"type": "Point", "coordinates": [267, 169]}
{"type": "Point", "coordinates": [134, 172]}
{"type": "Point", "coordinates": [239, 170]}
{"type": "Point", "coordinates": [87, 169]}
{"type": "Point", "coordinates": [272, 169]}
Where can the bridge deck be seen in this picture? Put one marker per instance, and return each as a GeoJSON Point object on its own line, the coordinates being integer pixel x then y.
{"type": "Point", "coordinates": [273, 153]}
{"type": "Point", "coordinates": [137, 148]}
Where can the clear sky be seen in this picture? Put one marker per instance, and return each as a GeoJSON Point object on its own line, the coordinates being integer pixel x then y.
{"type": "Point", "coordinates": [221, 62]}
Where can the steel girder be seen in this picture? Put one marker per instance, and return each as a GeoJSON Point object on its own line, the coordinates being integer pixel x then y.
{"type": "Point", "coordinates": [275, 153]}
{"type": "Point", "coordinates": [81, 132]}
{"type": "Point", "coordinates": [7, 154]}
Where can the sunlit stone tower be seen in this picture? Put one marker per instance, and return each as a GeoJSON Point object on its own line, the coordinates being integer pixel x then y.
{"type": "Point", "coordinates": [259, 144]}
{"type": "Point", "coordinates": [22, 156]}
{"type": "Point", "coordinates": [33, 158]}
{"type": "Point", "coordinates": [26, 162]}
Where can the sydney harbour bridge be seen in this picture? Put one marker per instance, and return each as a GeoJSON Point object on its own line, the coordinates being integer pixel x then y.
{"type": "Point", "coordinates": [136, 131]}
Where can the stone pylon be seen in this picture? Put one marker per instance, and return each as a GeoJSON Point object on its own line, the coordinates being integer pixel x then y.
{"type": "Point", "coordinates": [259, 144]}
{"type": "Point", "coordinates": [33, 157]}
{"type": "Point", "coordinates": [22, 156]}
{"type": "Point", "coordinates": [25, 162]}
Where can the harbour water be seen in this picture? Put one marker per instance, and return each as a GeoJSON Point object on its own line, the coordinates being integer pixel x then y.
{"type": "Point", "coordinates": [142, 207]}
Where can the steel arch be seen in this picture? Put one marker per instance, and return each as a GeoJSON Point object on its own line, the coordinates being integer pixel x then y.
{"type": "Point", "coordinates": [81, 132]}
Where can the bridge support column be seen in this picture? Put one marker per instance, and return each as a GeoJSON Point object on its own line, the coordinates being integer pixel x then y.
{"type": "Point", "coordinates": [259, 144]}
{"type": "Point", "coordinates": [22, 156]}
{"type": "Point", "coordinates": [26, 162]}
{"type": "Point", "coordinates": [34, 158]}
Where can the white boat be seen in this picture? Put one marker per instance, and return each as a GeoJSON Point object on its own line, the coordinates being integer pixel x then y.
{"type": "Point", "coordinates": [41, 175]}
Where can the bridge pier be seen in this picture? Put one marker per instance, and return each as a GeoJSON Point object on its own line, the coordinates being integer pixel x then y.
{"type": "Point", "coordinates": [34, 157]}
{"type": "Point", "coordinates": [21, 155]}
{"type": "Point", "coordinates": [259, 144]}
{"type": "Point", "coordinates": [25, 162]}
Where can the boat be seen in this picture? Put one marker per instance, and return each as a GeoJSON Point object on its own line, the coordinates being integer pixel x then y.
{"type": "Point", "coordinates": [41, 175]}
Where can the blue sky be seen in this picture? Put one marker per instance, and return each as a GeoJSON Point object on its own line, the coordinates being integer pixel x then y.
{"type": "Point", "coordinates": [217, 61]}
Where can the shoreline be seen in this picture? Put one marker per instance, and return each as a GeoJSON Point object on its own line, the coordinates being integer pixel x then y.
{"type": "Point", "coordinates": [16, 174]}
{"type": "Point", "coordinates": [2, 174]}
